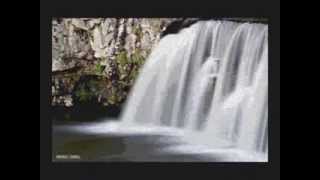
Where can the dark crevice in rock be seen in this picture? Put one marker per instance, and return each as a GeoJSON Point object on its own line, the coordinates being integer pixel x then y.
{"type": "Point", "coordinates": [177, 25]}
{"type": "Point", "coordinates": [123, 35]}
{"type": "Point", "coordinates": [242, 20]}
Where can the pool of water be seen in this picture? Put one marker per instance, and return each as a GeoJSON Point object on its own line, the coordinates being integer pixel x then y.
{"type": "Point", "coordinates": [110, 141]}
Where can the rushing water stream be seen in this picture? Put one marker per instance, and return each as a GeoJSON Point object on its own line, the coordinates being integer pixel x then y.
{"type": "Point", "coordinates": [208, 84]}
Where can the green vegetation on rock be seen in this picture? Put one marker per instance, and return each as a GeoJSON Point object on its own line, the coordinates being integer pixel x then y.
{"type": "Point", "coordinates": [122, 58]}
{"type": "Point", "coordinates": [99, 69]}
{"type": "Point", "coordinates": [83, 95]}
{"type": "Point", "coordinates": [138, 58]}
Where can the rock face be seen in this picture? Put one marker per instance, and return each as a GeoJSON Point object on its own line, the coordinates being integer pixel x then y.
{"type": "Point", "coordinates": [97, 60]}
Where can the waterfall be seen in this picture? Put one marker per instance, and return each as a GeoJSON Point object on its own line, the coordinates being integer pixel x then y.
{"type": "Point", "coordinates": [211, 80]}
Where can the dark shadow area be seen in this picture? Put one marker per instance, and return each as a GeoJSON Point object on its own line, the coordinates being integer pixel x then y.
{"type": "Point", "coordinates": [84, 113]}
{"type": "Point", "coordinates": [181, 23]}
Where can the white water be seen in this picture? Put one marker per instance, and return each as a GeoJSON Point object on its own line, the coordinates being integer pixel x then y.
{"type": "Point", "coordinates": [211, 81]}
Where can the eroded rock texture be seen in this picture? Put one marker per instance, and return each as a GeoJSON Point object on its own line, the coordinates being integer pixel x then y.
{"type": "Point", "coordinates": [97, 60]}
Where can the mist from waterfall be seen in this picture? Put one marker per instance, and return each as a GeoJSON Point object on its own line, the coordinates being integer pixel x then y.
{"type": "Point", "coordinates": [211, 81]}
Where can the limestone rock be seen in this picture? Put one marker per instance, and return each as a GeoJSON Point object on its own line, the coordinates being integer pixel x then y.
{"type": "Point", "coordinates": [112, 48]}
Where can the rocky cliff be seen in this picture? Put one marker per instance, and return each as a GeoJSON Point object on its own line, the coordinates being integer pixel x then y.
{"type": "Point", "coordinates": [97, 60]}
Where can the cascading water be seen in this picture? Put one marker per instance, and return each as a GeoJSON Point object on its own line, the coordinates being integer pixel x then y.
{"type": "Point", "coordinates": [211, 80]}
